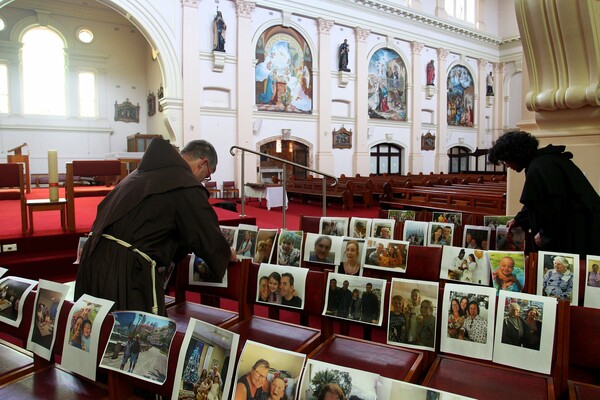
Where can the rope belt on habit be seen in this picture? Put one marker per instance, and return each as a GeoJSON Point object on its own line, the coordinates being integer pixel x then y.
{"type": "Point", "coordinates": [145, 257]}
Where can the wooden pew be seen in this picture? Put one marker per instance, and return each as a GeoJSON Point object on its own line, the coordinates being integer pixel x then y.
{"type": "Point", "coordinates": [312, 189]}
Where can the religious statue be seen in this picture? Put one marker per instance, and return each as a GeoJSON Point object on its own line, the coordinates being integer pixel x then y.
{"type": "Point", "coordinates": [344, 50]}
{"type": "Point", "coordinates": [219, 31]}
{"type": "Point", "coordinates": [489, 81]}
{"type": "Point", "coordinates": [430, 73]}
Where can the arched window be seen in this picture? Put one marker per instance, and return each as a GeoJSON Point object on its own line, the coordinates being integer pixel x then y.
{"type": "Point", "coordinates": [461, 9]}
{"type": "Point", "coordinates": [458, 160]}
{"type": "Point", "coordinates": [43, 59]}
{"type": "Point", "coordinates": [386, 159]}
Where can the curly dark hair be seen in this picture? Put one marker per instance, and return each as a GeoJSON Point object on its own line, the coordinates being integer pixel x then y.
{"type": "Point", "coordinates": [517, 146]}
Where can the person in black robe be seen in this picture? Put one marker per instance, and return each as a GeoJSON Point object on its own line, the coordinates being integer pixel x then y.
{"type": "Point", "coordinates": [160, 210]}
{"type": "Point", "coordinates": [561, 207]}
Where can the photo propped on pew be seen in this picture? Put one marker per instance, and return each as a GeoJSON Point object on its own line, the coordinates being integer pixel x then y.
{"type": "Point", "coordinates": [382, 228]}
{"type": "Point", "coordinates": [3, 271]}
{"type": "Point", "coordinates": [265, 243]}
{"type": "Point", "coordinates": [413, 313]}
{"type": "Point", "coordinates": [200, 273]}
{"type": "Point", "coordinates": [246, 241]}
{"type": "Point", "coordinates": [139, 345]}
{"type": "Point", "coordinates": [206, 362]}
{"type": "Point", "coordinates": [360, 227]}
{"type": "Point", "coordinates": [494, 221]}
{"type": "Point", "coordinates": [82, 333]}
{"type": "Point", "coordinates": [392, 389]}
{"type": "Point", "coordinates": [440, 234]}
{"type": "Point", "coordinates": [323, 380]}
{"type": "Point", "coordinates": [355, 298]}
{"type": "Point", "coordinates": [289, 247]}
{"type": "Point", "coordinates": [321, 248]}
{"type": "Point", "coordinates": [447, 217]}
{"type": "Point", "coordinates": [525, 326]}
{"type": "Point", "coordinates": [282, 285]}
{"type": "Point", "coordinates": [513, 240]}
{"type": "Point", "coordinates": [402, 215]}
{"type": "Point", "coordinates": [416, 232]}
{"type": "Point", "coordinates": [12, 290]}
{"type": "Point", "coordinates": [387, 255]}
{"type": "Point", "coordinates": [464, 265]}
{"type": "Point", "coordinates": [558, 276]}
{"type": "Point", "coordinates": [276, 371]}
{"type": "Point", "coordinates": [476, 237]}
{"type": "Point", "coordinates": [48, 302]}
{"type": "Point", "coordinates": [508, 270]}
{"type": "Point", "coordinates": [230, 233]}
{"type": "Point", "coordinates": [333, 226]}
{"type": "Point", "coordinates": [469, 329]}
{"type": "Point", "coordinates": [592, 287]}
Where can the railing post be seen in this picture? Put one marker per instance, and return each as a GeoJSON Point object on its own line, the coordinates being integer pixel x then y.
{"type": "Point", "coordinates": [324, 189]}
{"type": "Point", "coordinates": [284, 193]}
{"type": "Point", "coordinates": [243, 215]}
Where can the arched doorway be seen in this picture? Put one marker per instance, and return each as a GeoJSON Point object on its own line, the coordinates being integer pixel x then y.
{"type": "Point", "coordinates": [289, 150]}
{"type": "Point", "coordinates": [386, 158]}
{"type": "Point", "coordinates": [458, 159]}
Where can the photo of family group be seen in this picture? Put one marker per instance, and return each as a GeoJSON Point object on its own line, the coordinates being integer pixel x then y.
{"type": "Point", "coordinates": [525, 325]}
{"type": "Point", "coordinates": [476, 237]}
{"type": "Point", "coordinates": [508, 270]}
{"type": "Point", "coordinates": [385, 254]}
{"type": "Point", "coordinates": [413, 313]}
{"type": "Point", "coordinates": [139, 345]}
{"type": "Point", "coordinates": [416, 232]}
{"type": "Point", "coordinates": [382, 228]}
{"type": "Point", "coordinates": [49, 299]}
{"type": "Point", "coordinates": [558, 276]}
{"type": "Point", "coordinates": [464, 265]}
{"type": "Point", "coordinates": [513, 240]}
{"type": "Point", "coordinates": [322, 380]}
{"type": "Point", "coordinates": [282, 285]}
{"type": "Point", "coordinates": [402, 215]}
{"type": "Point", "coordinates": [80, 346]}
{"type": "Point", "coordinates": [355, 298]}
{"type": "Point", "coordinates": [447, 217]}
{"type": "Point", "coordinates": [206, 362]}
{"type": "Point", "coordinates": [12, 290]}
{"type": "Point", "coordinates": [265, 372]}
{"type": "Point", "coordinates": [467, 327]}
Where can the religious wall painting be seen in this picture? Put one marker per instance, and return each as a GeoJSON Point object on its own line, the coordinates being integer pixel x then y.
{"type": "Point", "coordinates": [461, 97]}
{"type": "Point", "coordinates": [127, 111]}
{"type": "Point", "coordinates": [283, 72]}
{"type": "Point", "coordinates": [387, 86]}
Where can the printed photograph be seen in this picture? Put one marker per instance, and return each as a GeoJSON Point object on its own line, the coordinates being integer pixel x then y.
{"type": "Point", "coordinates": [3, 271]}
{"type": "Point", "coordinates": [12, 291]}
{"type": "Point", "coordinates": [592, 288]}
{"type": "Point", "coordinates": [385, 254]}
{"type": "Point", "coordinates": [508, 270]}
{"type": "Point", "coordinates": [322, 380]}
{"type": "Point", "coordinates": [558, 276]}
{"type": "Point", "coordinates": [351, 257]}
{"type": "Point", "coordinates": [230, 233]}
{"type": "Point", "coordinates": [413, 313]}
{"type": "Point", "coordinates": [440, 234]}
{"type": "Point", "coordinates": [48, 301]}
{"type": "Point", "coordinates": [139, 345]}
{"type": "Point", "coordinates": [322, 248]}
{"type": "Point", "coordinates": [513, 240]}
{"type": "Point", "coordinates": [476, 237]}
{"type": "Point", "coordinates": [264, 245]}
{"type": "Point", "coordinates": [468, 320]}
{"type": "Point", "coordinates": [80, 346]}
{"type": "Point", "coordinates": [525, 325]}
{"type": "Point", "coordinates": [80, 244]}
{"type": "Point", "coordinates": [281, 284]}
{"type": "Point", "coordinates": [205, 363]}
{"type": "Point", "coordinates": [402, 215]}
{"type": "Point", "coordinates": [265, 372]}
{"type": "Point", "coordinates": [392, 389]}
{"type": "Point", "coordinates": [289, 247]}
{"type": "Point", "coordinates": [246, 241]}
{"type": "Point", "coordinates": [415, 232]}
{"type": "Point", "coordinates": [200, 273]}
{"type": "Point", "coordinates": [494, 221]}
{"type": "Point", "coordinates": [360, 227]}
{"type": "Point", "coordinates": [337, 226]}
{"type": "Point", "coordinates": [464, 265]}
{"type": "Point", "coordinates": [355, 298]}
{"type": "Point", "coordinates": [447, 217]}
{"type": "Point", "coordinates": [383, 228]}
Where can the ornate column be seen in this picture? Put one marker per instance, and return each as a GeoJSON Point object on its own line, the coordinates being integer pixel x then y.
{"type": "Point", "coordinates": [481, 98]}
{"type": "Point", "coordinates": [498, 104]}
{"type": "Point", "coordinates": [415, 158]}
{"type": "Point", "coordinates": [245, 89]}
{"type": "Point", "coordinates": [191, 100]}
{"type": "Point", "coordinates": [441, 151]}
{"type": "Point", "coordinates": [324, 144]}
{"type": "Point", "coordinates": [361, 161]}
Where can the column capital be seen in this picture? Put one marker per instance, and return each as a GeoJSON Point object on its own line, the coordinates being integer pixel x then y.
{"type": "Point", "coordinates": [190, 3]}
{"type": "Point", "coordinates": [361, 34]}
{"type": "Point", "coordinates": [325, 25]}
{"type": "Point", "coordinates": [499, 67]}
{"type": "Point", "coordinates": [416, 47]}
{"type": "Point", "coordinates": [442, 54]}
{"type": "Point", "coordinates": [244, 8]}
{"type": "Point", "coordinates": [482, 63]}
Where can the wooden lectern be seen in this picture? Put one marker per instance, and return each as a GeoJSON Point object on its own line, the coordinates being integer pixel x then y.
{"type": "Point", "coordinates": [18, 157]}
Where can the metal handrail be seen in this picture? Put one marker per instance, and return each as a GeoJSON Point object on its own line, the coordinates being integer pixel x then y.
{"type": "Point", "coordinates": [284, 179]}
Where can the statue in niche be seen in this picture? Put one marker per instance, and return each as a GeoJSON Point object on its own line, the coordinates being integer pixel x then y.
{"type": "Point", "coordinates": [344, 50]}
{"type": "Point", "coordinates": [489, 81]}
{"type": "Point", "coordinates": [430, 73]}
{"type": "Point", "coordinates": [219, 31]}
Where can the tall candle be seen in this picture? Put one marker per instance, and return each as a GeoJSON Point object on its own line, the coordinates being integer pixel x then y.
{"type": "Point", "coordinates": [53, 174]}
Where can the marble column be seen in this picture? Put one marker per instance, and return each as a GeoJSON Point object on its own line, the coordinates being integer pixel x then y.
{"type": "Point", "coordinates": [441, 151]}
{"type": "Point", "coordinates": [361, 159]}
{"type": "Point", "coordinates": [415, 158]}
{"type": "Point", "coordinates": [324, 155]}
{"type": "Point", "coordinates": [481, 99]}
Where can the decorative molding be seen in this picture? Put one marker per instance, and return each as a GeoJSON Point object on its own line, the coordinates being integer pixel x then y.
{"type": "Point", "coordinates": [286, 17]}
{"type": "Point", "coordinates": [218, 61]}
{"type": "Point", "coordinates": [343, 78]}
{"type": "Point", "coordinates": [325, 25]}
{"type": "Point", "coordinates": [190, 3]}
{"type": "Point", "coordinates": [482, 63]}
{"type": "Point", "coordinates": [361, 34]}
{"type": "Point", "coordinates": [416, 47]}
{"type": "Point", "coordinates": [244, 8]}
{"type": "Point", "coordinates": [443, 54]}
{"type": "Point", "coordinates": [499, 68]}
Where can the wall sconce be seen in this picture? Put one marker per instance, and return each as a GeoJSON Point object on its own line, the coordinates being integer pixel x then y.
{"type": "Point", "coordinates": [290, 147]}
{"type": "Point", "coordinates": [389, 137]}
{"type": "Point", "coordinates": [278, 146]}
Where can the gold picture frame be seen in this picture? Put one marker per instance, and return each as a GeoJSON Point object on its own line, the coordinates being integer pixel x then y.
{"type": "Point", "coordinates": [342, 138]}
{"type": "Point", "coordinates": [127, 112]}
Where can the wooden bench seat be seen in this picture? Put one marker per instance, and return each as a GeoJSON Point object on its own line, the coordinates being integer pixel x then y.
{"type": "Point", "coordinates": [313, 189]}
{"type": "Point", "coordinates": [14, 362]}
